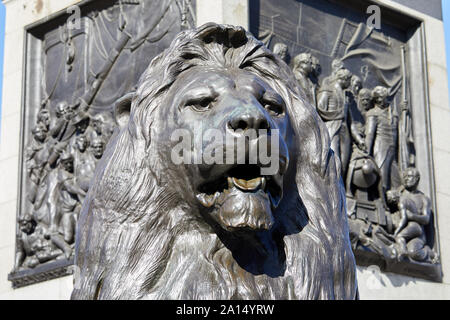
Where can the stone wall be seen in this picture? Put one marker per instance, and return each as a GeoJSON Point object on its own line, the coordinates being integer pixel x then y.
{"type": "Point", "coordinates": [372, 285]}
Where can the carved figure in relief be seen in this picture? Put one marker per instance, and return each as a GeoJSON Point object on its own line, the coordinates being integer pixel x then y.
{"type": "Point", "coordinates": [100, 127]}
{"type": "Point", "coordinates": [415, 213]}
{"type": "Point", "coordinates": [281, 50]}
{"type": "Point", "coordinates": [33, 244]}
{"type": "Point", "coordinates": [316, 72]}
{"type": "Point", "coordinates": [69, 204]}
{"type": "Point", "coordinates": [381, 133]}
{"type": "Point", "coordinates": [336, 65]}
{"type": "Point", "coordinates": [332, 106]}
{"type": "Point", "coordinates": [303, 70]}
{"type": "Point", "coordinates": [36, 159]}
{"type": "Point", "coordinates": [44, 118]}
{"type": "Point", "coordinates": [355, 85]}
{"type": "Point", "coordinates": [97, 146]}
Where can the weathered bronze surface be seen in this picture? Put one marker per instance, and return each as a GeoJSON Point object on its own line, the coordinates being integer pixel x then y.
{"type": "Point", "coordinates": [367, 85]}
{"type": "Point", "coordinates": [151, 229]}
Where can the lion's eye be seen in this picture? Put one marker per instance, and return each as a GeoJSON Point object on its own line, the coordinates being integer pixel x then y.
{"type": "Point", "coordinates": [273, 103]}
{"type": "Point", "coordinates": [274, 109]}
{"type": "Point", "coordinates": [200, 105]}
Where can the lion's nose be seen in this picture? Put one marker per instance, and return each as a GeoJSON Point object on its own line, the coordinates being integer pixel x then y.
{"type": "Point", "coordinates": [248, 121]}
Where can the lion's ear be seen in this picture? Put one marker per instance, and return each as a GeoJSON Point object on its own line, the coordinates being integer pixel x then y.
{"type": "Point", "coordinates": [122, 109]}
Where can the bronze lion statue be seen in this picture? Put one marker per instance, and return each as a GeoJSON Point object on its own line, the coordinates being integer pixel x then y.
{"type": "Point", "coordinates": [153, 229]}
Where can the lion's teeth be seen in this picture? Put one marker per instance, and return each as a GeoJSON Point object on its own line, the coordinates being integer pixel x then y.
{"type": "Point", "coordinates": [230, 183]}
{"type": "Point", "coordinates": [247, 185]}
{"type": "Point", "coordinates": [208, 200]}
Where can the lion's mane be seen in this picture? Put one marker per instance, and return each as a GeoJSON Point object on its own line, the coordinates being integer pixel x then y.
{"type": "Point", "coordinates": [140, 236]}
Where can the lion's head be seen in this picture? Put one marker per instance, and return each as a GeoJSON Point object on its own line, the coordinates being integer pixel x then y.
{"type": "Point", "coordinates": [152, 228]}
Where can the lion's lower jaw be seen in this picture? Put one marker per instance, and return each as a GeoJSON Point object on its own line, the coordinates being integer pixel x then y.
{"type": "Point", "coordinates": [244, 212]}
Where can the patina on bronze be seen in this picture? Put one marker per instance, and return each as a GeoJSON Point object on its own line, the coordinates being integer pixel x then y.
{"type": "Point", "coordinates": [147, 229]}
{"type": "Point", "coordinates": [74, 78]}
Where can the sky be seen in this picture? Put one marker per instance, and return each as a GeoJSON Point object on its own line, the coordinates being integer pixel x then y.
{"type": "Point", "coordinates": [2, 35]}
{"type": "Point", "coordinates": [445, 12]}
{"type": "Point", "coordinates": [446, 18]}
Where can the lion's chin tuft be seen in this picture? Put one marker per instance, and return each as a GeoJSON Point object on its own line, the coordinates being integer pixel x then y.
{"type": "Point", "coordinates": [246, 211]}
{"type": "Point", "coordinates": [237, 210]}
{"type": "Point", "coordinates": [241, 199]}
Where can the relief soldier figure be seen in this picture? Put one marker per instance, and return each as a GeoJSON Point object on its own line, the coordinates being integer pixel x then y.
{"type": "Point", "coordinates": [333, 108]}
{"type": "Point", "coordinates": [97, 146]}
{"type": "Point", "coordinates": [314, 76]}
{"type": "Point", "coordinates": [316, 72]}
{"type": "Point", "coordinates": [85, 164]}
{"type": "Point", "coordinates": [355, 85]}
{"type": "Point", "coordinates": [36, 159]}
{"type": "Point", "coordinates": [336, 65]}
{"type": "Point", "coordinates": [43, 118]}
{"type": "Point", "coordinates": [68, 202]}
{"type": "Point", "coordinates": [367, 124]}
{"type": "Point", "coordinates": [303, 70]}
{"type": "Point", "coordinates": [357, 117]}
{"type": "Point", "coordinates": [82, 162]}
{"type": "Point", "coordinates": [100, 128]}
{"type": "Point", "coordinates": [79, 148]}
{"type": "Point", "coordinates": [359, 110]}
{"type": "Point", "coordinates": [363, 171]}
{"type": "Point", "coordinates": [48, 233]}
{"type": "Point", "coordinates": [78, 125]}
{"type": "Point", "coordinates": [63, 116]}
{"type": "Point", "coordinates": [382, 133]}
{"type": "Point", "coordinates": [281, 50]}
{"type": "Point", "coordinates": [34, 244]}
{"type": "Point", "coordinates": [415, 213]}
{"type": "Point", "coordinates": [364, 102]}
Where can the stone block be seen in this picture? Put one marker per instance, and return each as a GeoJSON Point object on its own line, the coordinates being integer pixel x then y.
{"type": "Point", "coordinates": [440, 128]}
{"type": "Point", "coordinates": [12, 94]}
{"type": "Point", "coordinates": [9, 169]}
{"type": "Point", "coordinates": [7, 224]}
{"type": "Point", "coordinates": [438, 86]}
{"type": "Point", "coordinates": [10, 136]}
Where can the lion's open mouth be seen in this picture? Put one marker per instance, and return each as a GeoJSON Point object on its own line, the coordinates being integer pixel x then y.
{"type": "Point", "coordinates": [245, 178]}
